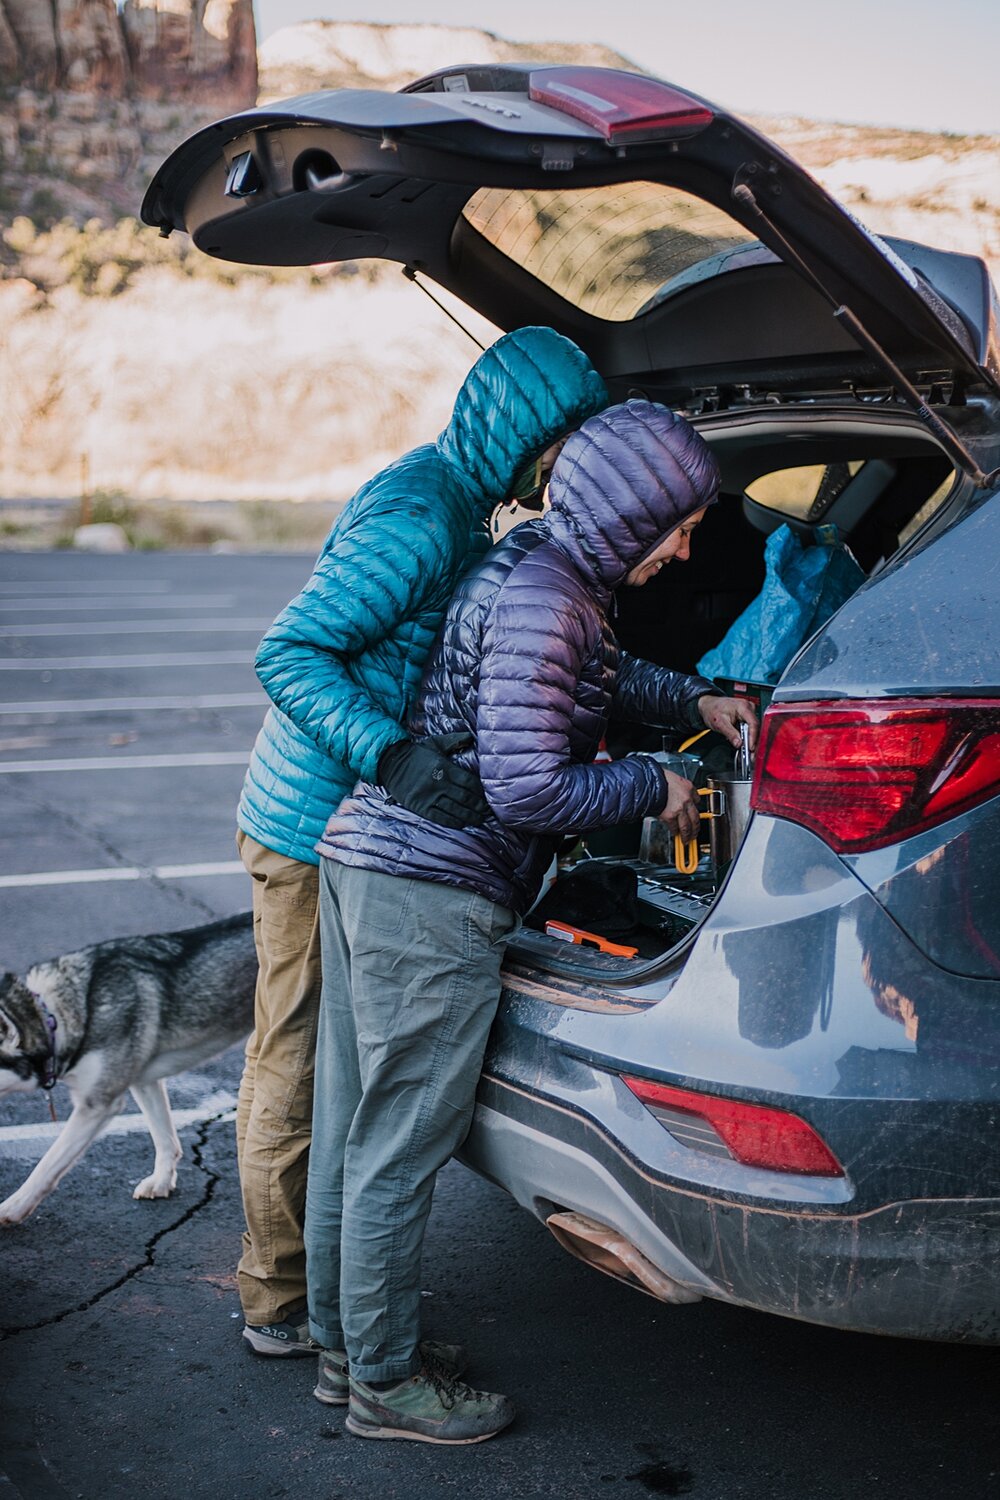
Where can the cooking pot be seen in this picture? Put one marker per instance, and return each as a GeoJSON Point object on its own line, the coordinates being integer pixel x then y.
{"type": "Point", "coordinates": [729, 808]}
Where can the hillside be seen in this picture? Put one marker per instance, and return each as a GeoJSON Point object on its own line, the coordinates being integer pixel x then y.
{"type": "Point", "coordinates": [140, 361]}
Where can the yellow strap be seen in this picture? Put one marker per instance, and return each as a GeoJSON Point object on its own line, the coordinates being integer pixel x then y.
{"type": "Point", "coordinates": [693, 740]}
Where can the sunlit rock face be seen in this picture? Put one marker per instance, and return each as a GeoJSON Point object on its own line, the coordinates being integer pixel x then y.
{"type": "Point", "coordinates": [205, 50]}
{"type": "Point", "coordinates": [98, 91]}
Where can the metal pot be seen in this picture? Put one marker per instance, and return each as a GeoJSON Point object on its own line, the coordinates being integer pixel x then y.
{"type": "Point", "coordinates": [729, 807]}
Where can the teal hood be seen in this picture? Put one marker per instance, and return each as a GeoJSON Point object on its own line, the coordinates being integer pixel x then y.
{"type": "Point", "coordinates": [524, 392]}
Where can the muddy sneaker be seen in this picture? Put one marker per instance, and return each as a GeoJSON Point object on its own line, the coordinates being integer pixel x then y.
{"type": "Point", "coordinates": [282, 1339]}
{"type": "Point", "coordinates": [429, 1407]}
{"type": "Point", "coordinates": [334, 1389]}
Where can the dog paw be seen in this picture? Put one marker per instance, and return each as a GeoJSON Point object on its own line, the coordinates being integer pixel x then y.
{"type": "Point", "coordinates": [155, 1187]}
{"type": "Point", "coordinates": [14, 1211]}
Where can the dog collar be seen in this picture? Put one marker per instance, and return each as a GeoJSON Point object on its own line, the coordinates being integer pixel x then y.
{"type": "Point", "coordinates": [47, 1074]}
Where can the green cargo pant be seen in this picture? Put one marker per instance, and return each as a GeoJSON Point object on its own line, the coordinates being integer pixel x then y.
{"type": "Point", "coordinates": [274, 1114]}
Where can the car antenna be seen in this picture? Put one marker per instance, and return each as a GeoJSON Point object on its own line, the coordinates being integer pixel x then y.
{"type": "Point", "coordinates": [411, 275]}
{"type": "Point", "coordinates": [948, 440]}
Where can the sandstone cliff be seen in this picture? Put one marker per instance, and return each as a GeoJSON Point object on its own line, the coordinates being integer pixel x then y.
{"type": "Point", "coordinates": [362, 54]}
{"type": "Point", "coordinates": [94, 93]}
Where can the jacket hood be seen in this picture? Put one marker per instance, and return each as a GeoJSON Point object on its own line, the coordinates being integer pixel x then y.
{"type": "Point", "coordinates": [526, 390]}
{"type": "Point", "coordinates": [623, 483]}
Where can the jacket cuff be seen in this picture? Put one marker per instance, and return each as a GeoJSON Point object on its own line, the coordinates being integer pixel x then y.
{"type": "Point", "coordinates": [700, 688]}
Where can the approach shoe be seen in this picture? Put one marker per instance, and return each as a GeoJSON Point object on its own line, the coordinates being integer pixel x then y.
{"type": "Point", "coordinates": [289, 1338]}
{"type": "Point", "coordinates": [333, 1387]}
{"type": "Point", "coordinates": [429, 1407]}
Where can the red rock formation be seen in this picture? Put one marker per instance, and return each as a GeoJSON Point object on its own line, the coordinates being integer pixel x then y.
{"type": "Point", "coordinates": [33, 26]}
{"type": "Point", "coordinates": [193, 49]}
{"type": "Point", "coordinates": [104, 89]}
{"type": "Point", "coordinates": [92, 55]}
{"type": "Point", "coordinates": [10, 56]}
{"type": "Point", "coordinates": [204, 51]}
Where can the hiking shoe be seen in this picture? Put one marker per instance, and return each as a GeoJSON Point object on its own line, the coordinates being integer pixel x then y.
{"type": "Point", "coordinates": [282, 1339]}
{"type": "Point", "coordinates": [334, 1388]}
{"type": "Point", "coordinates": [429, 1407]}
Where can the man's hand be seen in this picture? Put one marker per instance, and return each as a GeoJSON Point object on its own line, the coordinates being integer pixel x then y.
{"type": "Point", "coordinates": [681, 813]}
{"type": "Point", "coordinates": [725, 715]}
{"type": "Point", "coordinates": [422, 777]}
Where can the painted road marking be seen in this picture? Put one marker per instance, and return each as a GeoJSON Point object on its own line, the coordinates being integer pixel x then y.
{"type": "Point", "coordinates": [126, 762]}
{"type": "Point", "coordinates": [121, 872]}
{"type": "Point", "coordinates": [134, 627]}
{"type": "Point", "coordinates": [121, 601]}
{"type": "Point", "coordinates": [221, 1103]}
{"type": "Point", "coordinates": [94, 663]}
{"type": "Point", "coordinates": [85, 585]}
{"type": "Point", "coordinates": [120, 705]}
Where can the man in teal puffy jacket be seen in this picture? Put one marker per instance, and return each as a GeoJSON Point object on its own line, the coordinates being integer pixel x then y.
{"type": "Point", "coordinates": [381, 584]}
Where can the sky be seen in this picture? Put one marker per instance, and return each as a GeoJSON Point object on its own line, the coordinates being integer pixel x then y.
{"type": "Point", "coordinates": [919, 64]}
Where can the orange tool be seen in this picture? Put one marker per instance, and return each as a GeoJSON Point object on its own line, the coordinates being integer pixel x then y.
{"type": "Point", "coordinates": [586, 939]}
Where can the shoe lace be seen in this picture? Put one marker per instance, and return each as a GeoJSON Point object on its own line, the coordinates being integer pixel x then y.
{"type": "Point", "coordinates": [447, 1386]}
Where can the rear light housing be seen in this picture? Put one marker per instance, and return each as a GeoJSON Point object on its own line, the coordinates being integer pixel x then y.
{"type": "Point", "coordinates": [754, 1134]}
{"type": "Point", "coordinates": [864, 774]}
{"type": "Point", "coordinates": [625, 107]}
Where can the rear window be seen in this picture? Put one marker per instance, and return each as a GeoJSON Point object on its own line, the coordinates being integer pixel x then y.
{"type": "Point", "coordinates": [806, 491]}
{"type": "Point", "coordinates": [608, 250]}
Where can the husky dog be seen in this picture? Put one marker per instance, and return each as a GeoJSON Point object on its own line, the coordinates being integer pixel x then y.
{"type": "Point", "coordinates": [118, 1016]}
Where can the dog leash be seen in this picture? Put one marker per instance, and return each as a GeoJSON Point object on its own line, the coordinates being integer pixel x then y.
{"type": "Point", "coordinates": [48, 1078]}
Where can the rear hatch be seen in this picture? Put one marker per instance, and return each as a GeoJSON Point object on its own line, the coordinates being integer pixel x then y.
{"type": "Point", "coordinates": [603, 204]}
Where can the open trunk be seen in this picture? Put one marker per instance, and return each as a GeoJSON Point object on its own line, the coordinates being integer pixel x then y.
{"type": "Point", "coordinates": [887, 488]}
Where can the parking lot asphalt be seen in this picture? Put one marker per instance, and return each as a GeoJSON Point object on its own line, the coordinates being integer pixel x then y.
{"type": "Point", "coordinates": [128, 705]}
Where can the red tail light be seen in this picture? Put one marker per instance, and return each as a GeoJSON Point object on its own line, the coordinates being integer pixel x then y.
{"type": "Point", "coordinates": [625, 107]}
{"type": "Point", "coordinates": [866, 774]}
{"type": "Point", "coordinates": [753, 1134]}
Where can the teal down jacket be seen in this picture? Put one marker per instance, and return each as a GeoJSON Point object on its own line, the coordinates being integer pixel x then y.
{"type": "Point", "coordinates": [343, 662]}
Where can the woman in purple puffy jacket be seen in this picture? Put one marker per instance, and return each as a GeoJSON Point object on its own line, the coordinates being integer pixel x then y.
{"type": "Point", "coordinates": [415, 916]}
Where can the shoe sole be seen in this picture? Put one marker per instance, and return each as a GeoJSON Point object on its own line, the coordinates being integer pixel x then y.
{"type": "Point", "coordinates": [328, 1399]}
{"type": "Point", "coordinates": [261, 1344]}
{"type": "Point", "coordinates": [359, 1430]}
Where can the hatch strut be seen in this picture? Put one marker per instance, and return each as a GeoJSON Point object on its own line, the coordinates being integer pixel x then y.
{"type": "Point", "coordinates": [411, 275]}
{"type": "Point", "coordinates": [949, 441]}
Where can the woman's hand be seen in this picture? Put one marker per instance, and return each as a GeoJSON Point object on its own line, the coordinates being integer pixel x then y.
{"type": "Point", "coordinates": [681, 813]}
{"type": "Point", "coordinates": [725, 715]}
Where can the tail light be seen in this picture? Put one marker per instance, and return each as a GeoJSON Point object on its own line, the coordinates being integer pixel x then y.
{"type": "Point", "coordinates": [753, 1134]}
{"type": "Point", "coordinates": [868, 773]}
{"type": "Point", "coordinates": [625, 107]}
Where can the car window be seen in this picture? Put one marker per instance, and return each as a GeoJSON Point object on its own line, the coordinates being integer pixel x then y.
{"type": "Point", "coordinates": [928, 508]}
{"type": "Point", "coordinates": [803, 492]}
{"type": "Point", "coordinates": [608, 250]}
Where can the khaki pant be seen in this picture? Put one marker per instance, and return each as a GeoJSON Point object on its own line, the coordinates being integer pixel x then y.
{"type": "Point", "coordinates": [274, 1114]}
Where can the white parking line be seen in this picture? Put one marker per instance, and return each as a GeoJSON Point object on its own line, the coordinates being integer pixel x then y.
{"type": "Point", "coordinates": [126, 762]}
{"type": "Point", "coordinates": [139, 705]}
{"type": "Point", "coordinates": [216, 1104]}
{"type": "Point", "coordinates": [121, 601]}
{"type": "Point", "coordinates": [92, 663]}
{"type": "Point", "coordinates": [85, 585]}
{"type": "Point", "coordinates": [121, 872]}
{"type": "Point", "coordinates": [134, 627]}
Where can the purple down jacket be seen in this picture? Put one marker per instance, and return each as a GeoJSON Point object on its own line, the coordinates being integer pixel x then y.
{"type": "Point", "coordinates": [528, 663]}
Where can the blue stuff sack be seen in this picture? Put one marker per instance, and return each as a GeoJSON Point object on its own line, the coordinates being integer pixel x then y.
{"type": "Point", "coordinates": [803, 587]}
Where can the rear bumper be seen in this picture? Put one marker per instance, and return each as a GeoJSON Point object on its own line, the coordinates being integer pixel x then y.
{"type": "Point", "coordinates": [918, 1269]}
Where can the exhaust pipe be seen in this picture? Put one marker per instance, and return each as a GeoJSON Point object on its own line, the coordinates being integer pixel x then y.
{"type": "Point", "coordinates": [616, 1256]}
